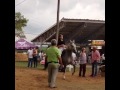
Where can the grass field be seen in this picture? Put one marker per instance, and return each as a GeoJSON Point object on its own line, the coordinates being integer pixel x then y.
{"type": "Point", "coordinates": [36, 79]}
{"type": "Point", "coordinates": [25, 63]}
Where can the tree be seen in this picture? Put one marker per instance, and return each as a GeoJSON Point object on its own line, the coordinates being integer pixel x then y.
{"type": "Point", "coordinates": [20, 21]}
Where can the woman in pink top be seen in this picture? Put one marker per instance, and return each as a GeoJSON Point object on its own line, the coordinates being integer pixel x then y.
{"type": "Point", "coordinates": [95, 59]}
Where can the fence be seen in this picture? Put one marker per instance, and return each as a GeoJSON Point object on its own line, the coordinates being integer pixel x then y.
{"type": "Point", "coordinates": [21, 57]}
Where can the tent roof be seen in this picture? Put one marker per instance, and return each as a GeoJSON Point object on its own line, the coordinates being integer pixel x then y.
{"type": "Point", "coordinates": [23, 44]}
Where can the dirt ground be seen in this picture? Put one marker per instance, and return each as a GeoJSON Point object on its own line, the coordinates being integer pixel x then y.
{"type": "Point", "coordinates": [36, 79]}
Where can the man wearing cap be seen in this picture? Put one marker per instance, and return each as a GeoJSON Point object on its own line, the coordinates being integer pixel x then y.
{"type": "Point", "coordinates": [95, 59]}
{"type": "Point", "coordinates": [53, 57]}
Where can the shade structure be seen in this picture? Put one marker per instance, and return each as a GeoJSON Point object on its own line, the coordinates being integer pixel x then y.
{"type": "Point", "coordinates": [79, 30]}
{"type": "Point", "coordinates": [23, 44]}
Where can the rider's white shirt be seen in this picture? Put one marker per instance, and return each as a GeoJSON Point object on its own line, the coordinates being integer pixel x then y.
{"type": "Point", "coordinates": [74, 56]}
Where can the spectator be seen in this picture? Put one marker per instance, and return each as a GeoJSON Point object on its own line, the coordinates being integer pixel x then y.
{"type": "Point", "coordinates": [95, 59]}
{"type": "Point", "coordinates": [35, 55]}
{"type": "Point", "coordinates": [30, 57]}
{"type": "Point", "coordinates": [83, 61]}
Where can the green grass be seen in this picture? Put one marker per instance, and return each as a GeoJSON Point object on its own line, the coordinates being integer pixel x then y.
{"type": "Point", "coordinates": [24, 64]}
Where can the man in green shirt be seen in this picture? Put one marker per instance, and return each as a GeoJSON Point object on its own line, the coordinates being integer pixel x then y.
{"type": "Point", "coordinates": [53, 57]}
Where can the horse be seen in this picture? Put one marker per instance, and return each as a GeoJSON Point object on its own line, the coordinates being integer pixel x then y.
{"type": "Point", "coordinates": [67, 58]}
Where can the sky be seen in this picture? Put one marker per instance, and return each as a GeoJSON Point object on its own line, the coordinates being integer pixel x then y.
{"type": "Point", "coordinates": [42, 14]}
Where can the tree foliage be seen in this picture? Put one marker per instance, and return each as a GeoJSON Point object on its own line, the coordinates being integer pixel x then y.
{"type": "Point", "coordinates": [20, 21]}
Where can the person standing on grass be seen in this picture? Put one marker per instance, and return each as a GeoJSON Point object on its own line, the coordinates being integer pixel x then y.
{"type": "Point", "coordinates": [53, 58]}
{"type": "Point", "coordinates": [30, 57]}
{"type": "Point", "coordinates": [95, 59]}
{"type": "Point", "coordinates": [83, 61]}
{"type": "Point", "coordinates": [35, 55]}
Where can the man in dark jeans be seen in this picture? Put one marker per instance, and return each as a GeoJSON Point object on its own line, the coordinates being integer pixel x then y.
{"type": "Point", "coordinates": [30, 57]}
{"type": "Point", "coordinates": [30, 62]}
{"type": "Point", "coordinates": [95, 60]}
{"type": "Point", "coordinates": [94, 68]}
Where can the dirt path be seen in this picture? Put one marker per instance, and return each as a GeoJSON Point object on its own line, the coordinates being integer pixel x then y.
{"type": "Point", "coordinates": [36, 79]}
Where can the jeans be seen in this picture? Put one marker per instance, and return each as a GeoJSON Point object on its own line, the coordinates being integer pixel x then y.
{"type": "Point", "coordinates": [30, 60]}
{"type": "Point", "coordinates": [94, 68]}
{"type": "Point", "coordinates": [35, 61]}
{"type": "Point", "coordinates": [82, 70]}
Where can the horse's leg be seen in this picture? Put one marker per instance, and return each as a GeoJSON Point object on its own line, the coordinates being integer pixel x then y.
{"type": "Point", "coordinates": [74, 67]}
{"type": "Point", "coordinates": [64, 71]}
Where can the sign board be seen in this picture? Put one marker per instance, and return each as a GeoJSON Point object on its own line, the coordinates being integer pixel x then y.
{"type": "Point", "coordinates": [98, 42]}
{"type": "Point", "coordinates": [98, 47]}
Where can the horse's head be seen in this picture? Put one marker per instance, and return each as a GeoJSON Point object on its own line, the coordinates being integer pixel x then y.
{"type": "Point", "coordinates": [72, 46]}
